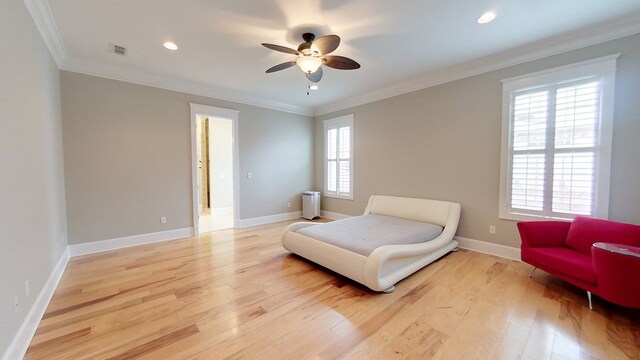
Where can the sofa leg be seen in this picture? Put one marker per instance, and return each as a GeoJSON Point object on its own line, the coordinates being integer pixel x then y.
{"type": "Point", "coordinates": [531, 272]}
{"type": "Point", "coordinates": [389, 290]}
{"type": "Point", "coordinates": [589, 297]}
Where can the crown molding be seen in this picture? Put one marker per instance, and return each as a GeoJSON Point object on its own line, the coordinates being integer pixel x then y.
{"type": "Point", "coordinates": [46, 24]}
{"type": "Point", "coordinates": [157, 80]}
{"type": "Point", "coordinates": [552, 46]}
{"type": "Point", "coordinates": [43, 18]}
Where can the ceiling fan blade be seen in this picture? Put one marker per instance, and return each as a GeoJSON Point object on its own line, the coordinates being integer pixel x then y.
{"type": "Point", "coordinates": [282, 66]}
{"type": "Point", "coordinates": [340, 62]}
{"type": "Point", "coordinates": [325, 44]}
{"type": "Point", "coordinates": [283, 49]}
{"type": "Point", "coordinates": [315, 76]}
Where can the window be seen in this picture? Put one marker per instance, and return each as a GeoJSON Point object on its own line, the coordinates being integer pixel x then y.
{"type": "Point", "coordinates": [556, 141]}
{"type": "Point", "coordinates": [338, 157]}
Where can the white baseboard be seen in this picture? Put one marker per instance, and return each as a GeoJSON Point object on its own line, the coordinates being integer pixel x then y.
{"type": "Point", "coordinates": [243, 223]}
{"type": "Point", "coordinates": [127, 241]}
{"type": "Point", "coordinates": [20, 343]}
{"type": "Point", "coordinates": [484, 247]}
{"type": "Point", "coordinates": [333, 215]}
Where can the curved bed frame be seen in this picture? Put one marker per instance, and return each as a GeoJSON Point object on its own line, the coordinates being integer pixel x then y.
{"type": "Point", "coordinates": [387, 264]}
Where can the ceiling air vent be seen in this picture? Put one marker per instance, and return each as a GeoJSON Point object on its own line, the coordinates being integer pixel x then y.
{"type": "Point", "coordinates": [117, 49]}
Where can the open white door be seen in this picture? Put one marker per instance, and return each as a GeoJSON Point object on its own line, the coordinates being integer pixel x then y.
{"type": "Point", "coordinates": [221, 173]}
{"type": "Point", "coordinates": [222, 165]}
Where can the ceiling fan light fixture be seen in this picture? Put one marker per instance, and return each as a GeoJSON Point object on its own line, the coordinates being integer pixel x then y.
{"type": "Point", "coordinates": [309, 64]}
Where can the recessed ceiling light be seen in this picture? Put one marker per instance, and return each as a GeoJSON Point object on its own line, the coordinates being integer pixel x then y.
{"type": "Point", "coordinates": [170, 45]}
{"type": "Point", "coordinates": [313, 87]}
{"type": "Point", "coordinates": [486, 17]}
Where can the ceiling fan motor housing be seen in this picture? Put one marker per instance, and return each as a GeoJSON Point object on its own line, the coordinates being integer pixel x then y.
{"type": "Point", "coordinates": [305, 47]}
{"type": "Point", "coordinates": [308, 37]}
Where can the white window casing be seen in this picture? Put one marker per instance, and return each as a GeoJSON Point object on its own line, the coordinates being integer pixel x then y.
{"type": "Point", "coordinates": [556, 142]}
{"type": "Point", "coordinates": [338, 157]}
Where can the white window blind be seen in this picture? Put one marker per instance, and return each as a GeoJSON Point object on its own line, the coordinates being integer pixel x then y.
{"type": "Point", "coordinates": [556, 145]}
{"type": "Point", "coordinates": [338, 157]}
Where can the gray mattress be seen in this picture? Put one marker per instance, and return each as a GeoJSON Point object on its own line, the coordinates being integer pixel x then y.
{"type": "Point", "coordinates": [363, 234]}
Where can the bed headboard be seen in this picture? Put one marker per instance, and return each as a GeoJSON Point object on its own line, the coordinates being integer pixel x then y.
{"type": "Point", "coordinates": [425, 210]}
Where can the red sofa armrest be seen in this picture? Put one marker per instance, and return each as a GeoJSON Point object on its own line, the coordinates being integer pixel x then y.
{"type": "Point", "coordinates": [543, 233]}
{"type": "Point", "coordinates": [617, 268]}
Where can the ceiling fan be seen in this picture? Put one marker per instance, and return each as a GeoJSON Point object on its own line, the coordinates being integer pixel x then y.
{"type": "Point", "coordinates": [311, 54]}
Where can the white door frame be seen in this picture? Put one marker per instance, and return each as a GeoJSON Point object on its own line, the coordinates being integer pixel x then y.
{"type": "Point", "coordinates": [213, 112]}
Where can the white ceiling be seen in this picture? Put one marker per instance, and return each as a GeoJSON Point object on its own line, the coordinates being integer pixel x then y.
{"type": "Point", "coordinates": [402, 45]}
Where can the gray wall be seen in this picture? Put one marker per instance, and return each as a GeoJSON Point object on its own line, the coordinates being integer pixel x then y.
{"type": "Point", "coordinates": [32, 208]}
{"type": "Point", "coordinates": [443, 142]}
{"type": "Point", "coordinates": [128, 158]}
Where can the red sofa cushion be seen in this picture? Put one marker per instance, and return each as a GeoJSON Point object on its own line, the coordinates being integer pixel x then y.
{"type": "Point", "coordinates": [565, 261]}
{"type": "Point", "coordinates": [585, 231]}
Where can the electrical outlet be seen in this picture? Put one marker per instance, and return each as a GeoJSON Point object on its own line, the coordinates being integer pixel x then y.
{"type": "Point", "coordinates": [289, 204]}
{"type": "Point", "coordinates": [16, 304]}
{"type": "Point", "coordinates": [27, 288]}
{"type": "Point", "coordinates": [492, 229]}
{"type": "Point", "coordinates": [249, 175]}
{"type": "Point", "coordinates": [163, 220]}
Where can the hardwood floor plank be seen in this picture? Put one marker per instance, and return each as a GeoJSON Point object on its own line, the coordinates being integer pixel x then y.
{"type": "Point", "coordinates": [621, 333]}
{"type": "Point", "coordinates": [155, 345]}
{"type": "Point", "coordinates": [543, 332]}
{"type": "Point", "coordinates": [513, 341]}
{"type": "Point", "coordinates": [34, 348]}
{"type": "Point", "coordinates": [348, 342]}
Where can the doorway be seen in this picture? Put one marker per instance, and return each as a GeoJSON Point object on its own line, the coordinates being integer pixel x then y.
{"type": "Point", "coordinates": [214, 155]}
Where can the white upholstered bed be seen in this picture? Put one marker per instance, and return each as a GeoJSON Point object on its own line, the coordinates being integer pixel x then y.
{"type": "Point", "coordinates": [394, 238]}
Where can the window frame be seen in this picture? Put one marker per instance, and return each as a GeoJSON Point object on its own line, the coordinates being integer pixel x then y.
{"type": "Point", "coordinates": [337, 123]}
{"type": "Point", "coordinates": [602, 69]}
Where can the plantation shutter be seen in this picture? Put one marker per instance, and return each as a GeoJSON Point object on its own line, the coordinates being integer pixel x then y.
{"type": "Point", "coordinates": [557, 127]}
{"type": "Point", "coordinates": [344, 161]}
{"type": "Point", "coordinates": [338, 157]}
{"type": "Point", "coordinates": [554, 147]}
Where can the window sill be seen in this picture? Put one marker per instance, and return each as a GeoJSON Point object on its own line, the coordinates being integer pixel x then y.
{"type": "Point", "coordinates": [529, 217]}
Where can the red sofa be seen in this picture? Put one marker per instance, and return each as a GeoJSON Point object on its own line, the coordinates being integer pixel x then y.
{"type": "Point", "coordinates": [599, 256]}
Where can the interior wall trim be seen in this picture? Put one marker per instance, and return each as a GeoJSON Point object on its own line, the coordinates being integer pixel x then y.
{"type": "Point", "coordinates": [548, 47]}
{"type": "Point", "coordinates": [20, 343]}
{"type": "Point", "coordinates": [485, 247]}
{"type": "Point", "coordinates": [606, 31]}
{"type": "Point", "coordinates": [128, 241]}
{"type": "Point", "coordinates": [227, 114]}
{"type": "Point", "coordinates": [166, 82]}
{"type": "Point", "coordinates": [142, 239]}
{"type": "Point", "coordinates": [243, 223]}
{"type": "Point", "coordinates": [46, 24]}
{"type": "Point", "coordinates": [333, 215]}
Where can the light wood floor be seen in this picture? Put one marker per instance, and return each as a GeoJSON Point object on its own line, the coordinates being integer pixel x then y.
{"type": "Point", "coordinates": [238, 294]}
